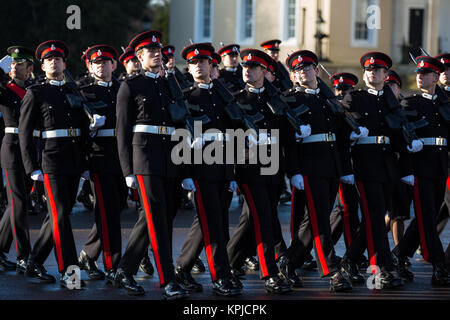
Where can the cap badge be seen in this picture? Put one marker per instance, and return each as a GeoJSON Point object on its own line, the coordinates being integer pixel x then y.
{"type": "Point", "coordinates": [17, 51]}
{"type": "Point", "coordinates": [249, 57]}
{"type": "Point", "coordinates": [52, 47]}
{"type": "Point", "coordinates": [300, 59]}
{"type": "Point", "coordinates": [196, 52]}
{"type": "Point", "coordinates": [99, 53]}
{"type": "Point", "coordinates": [170, 50]}
{"type": "Point", "coordinates": [234, 49]}
{"type": "Point", "coordinates": [442, 60]}
{"type": "Point", "coordinates": [372, 60]}
{"type": "Point", "coordinates": [421, 64]}
{"type": "Point", "coordinates": [276, 44]}
{"type": "Point", "coordinates": [341, 80]}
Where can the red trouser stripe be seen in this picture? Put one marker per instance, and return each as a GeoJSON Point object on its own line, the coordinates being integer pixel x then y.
{"type": "Point", "coordinates": [32, 188]}
{"type": "Point", "coordinates": [151, 228]}
{"type": "Point", "coordinates": [315, 226]}
{"type": "Point", "coordinates": [105, 232]}
{"type": "Point", "coordinates": [419, 214]}
{"type": "Point", "coordinates": [448, 183]}
{"type": "Point", "coordinates": [54, 213]}
{"type": "Point", "coordinates": [347, 229]}
{"type": "Point", "coordinates": [292, 212]}
{"type": "Point", "coordinates": [370, 243]}
{"type": "Point", "coordinates": [259, 245]}
{"type": "Point", "coordinates": [205, 229]}
{"type": "Point", "coordinates": [12, 212]}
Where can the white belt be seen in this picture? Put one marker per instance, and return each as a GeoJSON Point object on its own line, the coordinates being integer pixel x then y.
{"type": "Point", "coordinates": [374, 140]}
{"type": "Point", "coordinates": [106, 133]}
{"type": "Point", "coordinates": [270, 140]}
{"type": "Point", "coordinates": [434, 141]}
{"type": "Point", "coordinates": [320, 137]}
{"type": "Point", "coordinates": [153, 129]}
{"type": "Point", "coordinates": [36, 133]}
{"type": "Point", "coordinates": [216, 136]}
{"type": "Point", "coordinates": [60, 133]}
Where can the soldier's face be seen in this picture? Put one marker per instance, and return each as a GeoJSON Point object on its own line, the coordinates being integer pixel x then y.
{"type": "Point", "coordinates": [200, 69]}
{"type": "Point", "coordinates": [133, 65]}
{"type": "Point", "coordinates": [53, 66]}
{"type": "Point", "coordinates": [274, 54]}
{"type": "Point", "coordinates": [102, 69]}
{"type": "Point", "coordinates": [307, 74]}
{"type": "Point", "coordinates": [252, 74]}
{"type": "Point", "coordinates": [20, 71]}
{"type": "Point", "coordinates": [375, 76]}
{"type": "Point", "coordinates": [149, 57]}
{"type": "Point", "coordinates": [230, 60]}
{"type": "Point", "coordinates": [214, 73]}
{"type": "Point", "coordinates": [444, 78]}
{"type": "Point", "coordinates": [171, 63]}
{"type": "Point", "coordinates": [426, 80]}
{"type": "Point", "coordinates": [270, 76]}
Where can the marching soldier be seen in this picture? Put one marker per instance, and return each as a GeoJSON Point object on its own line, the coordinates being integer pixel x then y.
{"type": "Point", "coordinates": [232, 71]}
{"type": "Point", "coordinates": [430, 169]}
{"type": "Point", "coordinates": [14, 223]}
{"type": "Point", "coordinates": [260, 191]}
{"type": "Point", "coordinates": [282, 79]}
{"type": "Point", "coordinates": [130, 62]}
{"type": "Point", "coordinates": [208, 182]}
{"type": "Point", "coordinates": [63, 158]}
{"type": "Point", "coordinates": [316, 166]}
{"type": "Point", "coordinates": [106, 175]}
{"type": "Point", "coordinates": [143, 129]}
{"type": "Point", "coordinates": [375, 167]}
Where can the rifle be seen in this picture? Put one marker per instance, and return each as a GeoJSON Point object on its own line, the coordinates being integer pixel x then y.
{"type": "Point", "coordinates": [235, 111]}
{"type": "Point", "coordinates": [77, 99]}
{"type": "Point", "coordinates": [279, 107]}
{"type": "Point", "coordinates": [182, 79]}
{"type": "Point", "coordinates": [336, 107]}
{"type": "Point", "coordinates": [178, 110]}
{"type": "Point", "coordinates": [444, 108]}
{"type": "Point", "coordinates": [396, 118]}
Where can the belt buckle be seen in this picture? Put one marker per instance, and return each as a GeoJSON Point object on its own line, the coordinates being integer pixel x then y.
{"type": "Point", "coordinates": [381, 140]}
{"type": "Point", "coordinates": [163, 130]}
{"type": "Point", "coordinates": [71, 132]}
{"type": "Point", "coordinates": [439, 141]}
{"type": "Point", "coordinates": [328, 137]}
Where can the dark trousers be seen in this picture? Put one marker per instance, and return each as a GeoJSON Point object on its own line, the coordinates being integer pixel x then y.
{"type": "Point", "coordinates": [262, 201]}
{"type": "Point", "coordinates": [443, 215]}
{"type": "Point", "coordinates": [209, 204]}
{"type": "Point", "coordinates": [376, 199]}
{"type": "Point", "coordinates": [14, 223]}
{"type": "Point", "coordinates": [154, 226]}
{"type": "Point", "coordinates": [344, 217]}
{"type": "Point", "coordinates": [315, 230]}
{"type": "Point", "coordinates": [428, 197]}
{"type": "Point", "coordinates": [56, 230]}
{"type": "Point", "coordinates": [106, 233]}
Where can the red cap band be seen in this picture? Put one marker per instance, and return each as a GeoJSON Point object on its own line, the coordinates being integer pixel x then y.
{"type": "Point", "coordinates": [302, 59]}
{"type": "Point", "coordinates": [197, 52]}
{"type": "Point", "coordinates": [424, 64]}
{"type": "Point", "coordinates": [337, 82]}
{"type": "Point", "coordinates": [146, 42]}
{"type": "Point", "coordinates": [52, 49]}
{"type": "Point", "coordinates": [255, 59]}
{"type": "Point", "coordinates": [102, 54]}
{"type": "Point", "coordinates": [372, 61]}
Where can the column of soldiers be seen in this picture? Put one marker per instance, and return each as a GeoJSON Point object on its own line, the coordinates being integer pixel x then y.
{"type": "Point", "coordinates": [362, 149]}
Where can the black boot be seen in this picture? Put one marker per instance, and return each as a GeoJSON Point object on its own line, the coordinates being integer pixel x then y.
{"type": "Point", "coordinates": [401, 266]}
{"type": "Point", "coordinates": [173, 291]}
{"type": "Point", "coordinates": [287, 270]}
{"type": "Point", "coordinates": [146, 266]}
{"type": "Point", "coordinates": [224, 287]}
{"type": "Point", "coordinates": [440, 276]}
{"type": "Point", "coordinates": [186, 280]}
{"type": "Point", "coordinates": [275, 284]}
{"type": "Point", "coordinates": [126, 281]}
{"type": "Point", "coordinates": [6, 264]}
{"type": "Point", "coordinates": [110, 276]}
{"type": "Point", "coordinates": [386, 280]}
{"type": "Point", "coordinates": [251, 263]}
{"type": "Point", "coordinates": [339, 282]}
{"type": "Point", "coordinates": [198, 267]}
{"type": "Point", "coordinates": [38, 271]}
{"type": "Point", "coordinates": [350, 270]}
{"type": "Point", "coordinates": [21, 266]}
{"type": "Point", "coordinates": [90, 266]}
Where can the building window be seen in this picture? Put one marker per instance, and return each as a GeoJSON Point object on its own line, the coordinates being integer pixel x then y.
{"type": "Point", "coordinates": [204, 20]}
{"type": "Point", "coordinates": [361, 35]}
{"type": "Point", "coordinates": [245, 26]}
{"type": "Point", "coordinates": [290, 12]}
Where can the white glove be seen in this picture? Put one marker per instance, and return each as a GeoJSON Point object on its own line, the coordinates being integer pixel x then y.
{"type": "Point", "coordinates": [198, 143]}
{"type": "Point", "coordinates": [99, 121]}
{"type": "Point", "coordinates": [232, 187]}
{"type": "Point", "coordinates": [409, 180]}
{"type": "Point", "coordinates": [348, 179]}
{"type": "Point", "coordinates": [306, 132]}
{"type": "Point", "coordinates": [263, 138]}
{"type": "Point", "coordinates": [85, 175]}
{"type": "Point", "coordinates": [131, 181]}
{"type": "Point", "coordinates": [37, 175]}
{"type": "Point", "coordinates": [363, 132]}
{"type": "Point", "coordinates": [188, 184]}
{"type": "Point", "coordinates": [252, 141]}
{"type": "Point", "coordinates": [297, 182]}
{"type": "Point", "coordinates": [416, 146]}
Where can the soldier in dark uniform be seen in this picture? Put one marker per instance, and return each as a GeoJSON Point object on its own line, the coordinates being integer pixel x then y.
{"type": "Point", "coordinates": [130, 62]}
{"type": "Point", "coordinates": [430, 169]}
{"type": "Point", "coordinates": [144, 126]}
{"type": "Point", "coordinates": [208, 182]}
{"type": "Point", "coordinates": [282, 79]}
{"type": "Point", "coordinates": [63, 158]}
{"type": "Point", "coordinates": [344, 217]}
{"type": "Point", "coordinates": [376, 170]}
{"type": "Point", "coordinates": [14, 223]}
{"type": "Point", "coordinates": [106, 175]}
{"type": "Point", "coordinates": [261, 191]}
{"type": "Point", "coordinates": [316, 166]}
{"type": "Point", "coordinates": [232, 71]}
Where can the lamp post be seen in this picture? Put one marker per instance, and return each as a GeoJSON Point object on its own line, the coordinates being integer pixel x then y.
{"type": "Point", "coordinates": [320, 35]}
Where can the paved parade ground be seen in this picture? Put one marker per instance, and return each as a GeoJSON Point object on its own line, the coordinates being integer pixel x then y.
{"type": "Point", "coordinates": [18, 287]}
